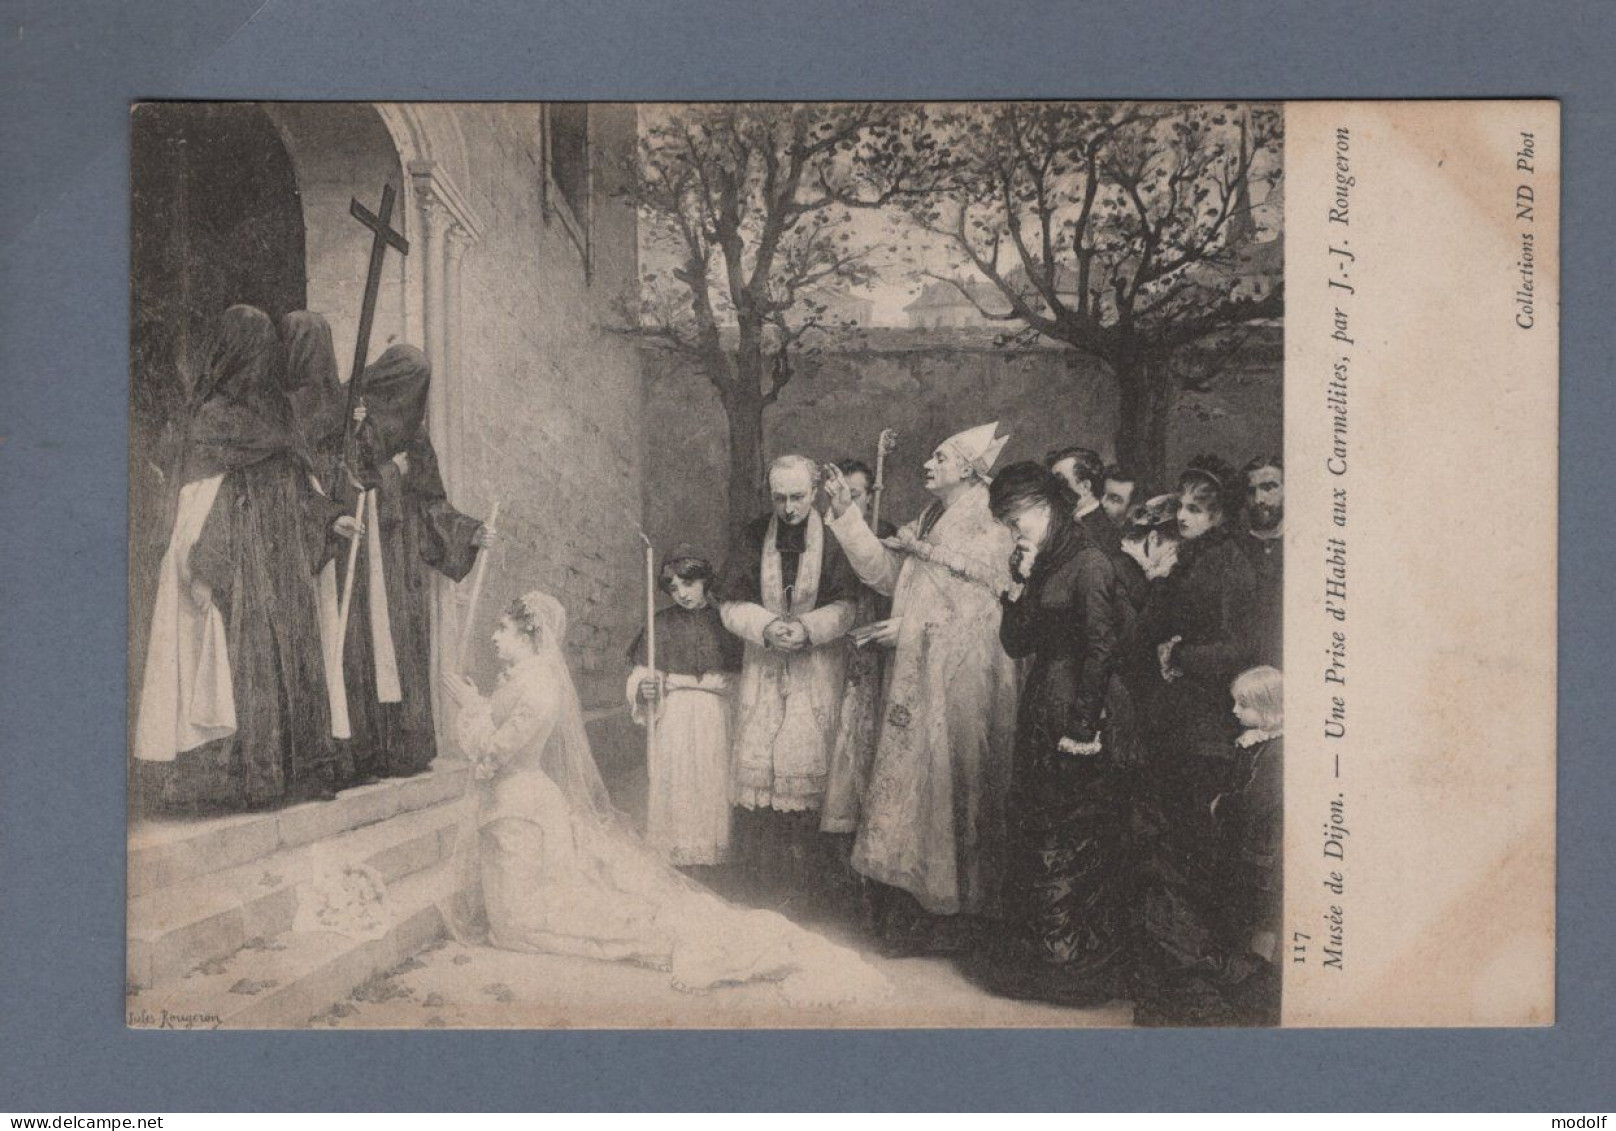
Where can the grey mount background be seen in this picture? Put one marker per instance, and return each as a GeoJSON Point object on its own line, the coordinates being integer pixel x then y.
{"type": "Point", "coordinates": [68, 71]}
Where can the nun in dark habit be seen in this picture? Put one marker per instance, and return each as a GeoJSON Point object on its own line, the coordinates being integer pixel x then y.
{"type": "Point", "coordinates": [410, 531]}
{"type": "Point", "coordinates": [234, 711]}
{"type": "Point", "coordinates": [312, 386]}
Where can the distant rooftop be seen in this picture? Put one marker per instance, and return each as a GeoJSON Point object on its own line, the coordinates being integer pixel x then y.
{"type": "Point", "coordinates": [939, 295]}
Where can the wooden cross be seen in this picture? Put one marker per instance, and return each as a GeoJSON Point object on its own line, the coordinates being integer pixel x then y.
{"type": "Point", "coordinates": [384, 236]}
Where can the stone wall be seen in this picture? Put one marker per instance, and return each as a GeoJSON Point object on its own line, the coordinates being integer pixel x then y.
{"type": "Point", "coordinates": [929, 385]}
{"type": "Point", "coordinates": [551, 396]}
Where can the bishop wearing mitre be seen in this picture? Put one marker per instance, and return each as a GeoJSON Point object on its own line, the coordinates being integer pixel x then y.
{"type": "Point", "coordinates": [931, 830]}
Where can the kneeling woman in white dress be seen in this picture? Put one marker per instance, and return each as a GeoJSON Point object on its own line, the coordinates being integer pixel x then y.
{"type": "Point", "coordinates": [546, 865]}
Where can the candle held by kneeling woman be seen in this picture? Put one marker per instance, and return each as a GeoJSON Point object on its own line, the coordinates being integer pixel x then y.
{"type": "Point", "coordinates": [546, 864]}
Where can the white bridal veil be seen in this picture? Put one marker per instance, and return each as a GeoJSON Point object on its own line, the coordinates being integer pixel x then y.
{"type": "Point", "coordinates": [610, 882]}
{"type": "Point", "coordinates": [566, 760]}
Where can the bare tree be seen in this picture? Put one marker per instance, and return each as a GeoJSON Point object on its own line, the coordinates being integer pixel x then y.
{"type": "Point", "coordinates": [1123, 230]}
{"type": "Point", "coordinates": [748, 205]}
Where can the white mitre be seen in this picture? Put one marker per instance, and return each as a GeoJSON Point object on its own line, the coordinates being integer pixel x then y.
{"type": "Point", "coordinates": [978, 447]}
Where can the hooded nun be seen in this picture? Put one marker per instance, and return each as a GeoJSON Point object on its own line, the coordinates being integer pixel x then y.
{"type": "Point", "coordinates": [312, 387]}
{"type": "Point", "coordinates": [410, 531]}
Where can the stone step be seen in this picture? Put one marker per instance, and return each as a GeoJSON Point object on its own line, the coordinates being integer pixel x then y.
{"type": "Point", "coordinates": [285, 980]}
{"type": "Point", "coordinates": [166, 852]}
{"type": "Point", "coordinates": [175, 930]}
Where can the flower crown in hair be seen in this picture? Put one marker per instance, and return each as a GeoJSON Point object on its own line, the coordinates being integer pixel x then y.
{"type": "Point", "coordinates": [521, 609]}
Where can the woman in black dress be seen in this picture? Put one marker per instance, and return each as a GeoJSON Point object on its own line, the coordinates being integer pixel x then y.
{"type": "Point", "coordinates": [1199, 624]}
{"type": "Point", "coordinates": [1068, 885]}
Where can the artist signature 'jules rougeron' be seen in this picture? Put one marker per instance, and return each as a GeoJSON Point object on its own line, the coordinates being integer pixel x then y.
{"type": "Point", "coordinates": [163, 1019]}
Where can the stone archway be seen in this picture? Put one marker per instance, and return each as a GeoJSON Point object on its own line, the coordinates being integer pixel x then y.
{"type": "Point", "coordinates": [249, 203]}
{"type": "Point", "coordinates": [342, 152]}
{"type": "Point", "coordinates": [216, 218]}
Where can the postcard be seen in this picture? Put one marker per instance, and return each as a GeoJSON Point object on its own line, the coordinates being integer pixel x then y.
{"type": "Point", "coordinates": [842, 565]}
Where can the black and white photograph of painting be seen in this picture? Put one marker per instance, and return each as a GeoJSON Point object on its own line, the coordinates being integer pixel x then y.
{"type": "Point", "coordinates": [705, 565]}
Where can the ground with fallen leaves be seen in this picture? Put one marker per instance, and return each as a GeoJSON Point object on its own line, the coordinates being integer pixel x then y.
{"type": "Point", "coordinates": [456, 986]}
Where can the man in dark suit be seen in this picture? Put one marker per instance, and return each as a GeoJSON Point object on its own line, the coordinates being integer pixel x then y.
{"type": "Point", "coordinates": [1083, 472]}
{"type": "Point", "coordinates": [1122, 491]}
{"type": "Point", "coordinates": [1264, 544]}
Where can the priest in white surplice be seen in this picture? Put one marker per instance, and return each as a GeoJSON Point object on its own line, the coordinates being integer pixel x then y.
{"type": "Point", "coordinates": [931, 831]}
{"type": "Point", "coordinates": [788, 592]}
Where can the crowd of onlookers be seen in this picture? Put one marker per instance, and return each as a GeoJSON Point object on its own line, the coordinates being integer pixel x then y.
{"type": "Point", "coordinates": [1140, 813]}
{"type": "Point", "coordinates": [1190, 794]}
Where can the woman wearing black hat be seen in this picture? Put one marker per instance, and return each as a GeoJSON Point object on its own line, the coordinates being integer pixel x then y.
{"type": "Point", "coordinates": [1068, 880]}
{"type": "Point", "coordinates": [1199, 620]}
